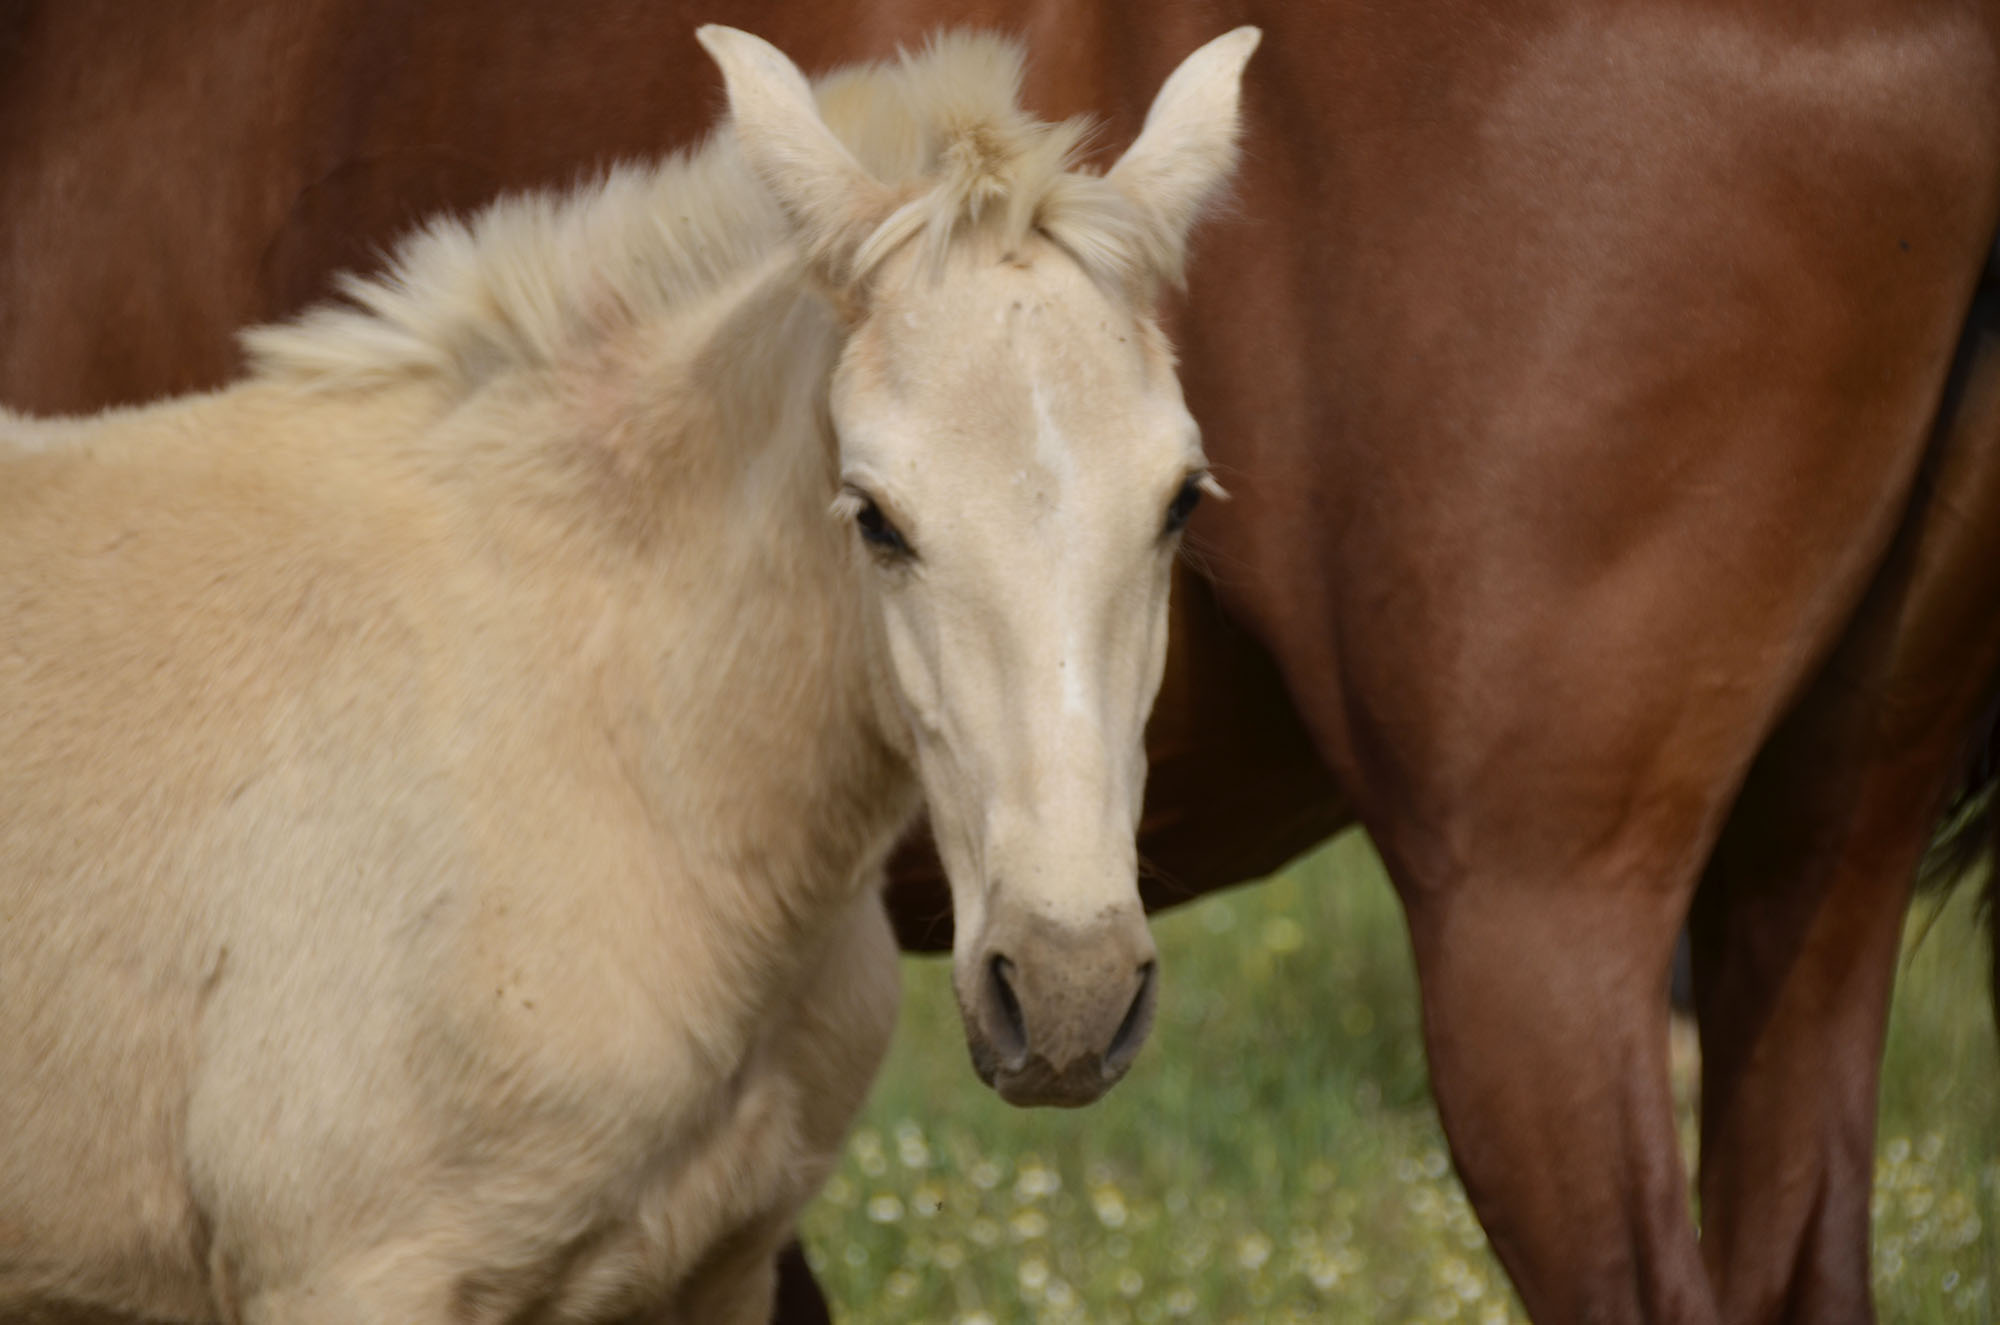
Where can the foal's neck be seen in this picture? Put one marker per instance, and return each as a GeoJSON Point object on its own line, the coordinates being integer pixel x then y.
{"type": "Point", "coordinates": [769, 733]}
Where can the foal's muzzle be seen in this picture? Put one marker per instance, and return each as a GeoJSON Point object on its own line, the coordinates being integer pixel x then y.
{"type": "Point", "coordinates": [1055, 1015]}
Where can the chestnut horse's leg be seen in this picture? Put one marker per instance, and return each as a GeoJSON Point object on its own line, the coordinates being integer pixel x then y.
{"type": "Point", "coordinates": [1547, 829]}
{"type": "Point", "coordinates": [1546, 1021]}
{"type": "Point", "coordinates": [1797, 925]}
{"type": "Point", "coordinates": [1795, 948]}
{"type": "Point", "coordinates": [800, 1301]}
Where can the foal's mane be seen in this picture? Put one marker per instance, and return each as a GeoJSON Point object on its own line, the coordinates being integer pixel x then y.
{"type": "Point", "coordinates": [533, 277]}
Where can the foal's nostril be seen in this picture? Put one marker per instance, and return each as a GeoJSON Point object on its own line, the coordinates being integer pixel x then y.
{"type": "Point", "coordinates": [1005, 1026]}
{"type": "Point", "coordinates": [1131, 1032]}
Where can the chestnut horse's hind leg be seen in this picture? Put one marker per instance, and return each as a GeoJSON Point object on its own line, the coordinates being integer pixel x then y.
{"type": "Point", "coordinates": [1794, 954]}
{"type": "Point", "coordinates": [1545, 1017]}
{"type": "Point", "coordinates": [1796, 932]}
{"type": "Point", "coordinates": [1797, 924]}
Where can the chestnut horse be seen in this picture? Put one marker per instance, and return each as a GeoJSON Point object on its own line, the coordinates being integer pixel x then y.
{"type": "Point", "coordinates": [1616, 471]}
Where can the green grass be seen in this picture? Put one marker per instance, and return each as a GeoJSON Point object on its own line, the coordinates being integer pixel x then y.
{"type": "Point", "coordinates": [1274, 1155]}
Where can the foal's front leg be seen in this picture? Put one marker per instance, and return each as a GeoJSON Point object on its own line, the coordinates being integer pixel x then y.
{"type": "Point", "coordinates": [846, 1015]}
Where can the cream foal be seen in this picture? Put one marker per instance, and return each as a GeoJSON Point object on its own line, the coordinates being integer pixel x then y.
{"type": "Point", "coordinates": [444, 779]}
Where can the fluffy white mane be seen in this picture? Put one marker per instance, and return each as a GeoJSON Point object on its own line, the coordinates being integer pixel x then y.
{"type": "Point", "coordinates": [532, 277]}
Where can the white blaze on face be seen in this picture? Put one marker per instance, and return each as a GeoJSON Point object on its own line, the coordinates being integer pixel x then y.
{"type": "Point", "coordinates": [1052, 452]}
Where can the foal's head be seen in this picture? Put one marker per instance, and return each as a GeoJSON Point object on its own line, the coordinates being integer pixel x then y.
{"type": "Point", "coordinates": [1017, 463]}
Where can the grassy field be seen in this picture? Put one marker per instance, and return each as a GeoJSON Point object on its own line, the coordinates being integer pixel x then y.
{"type": "Point", "coordinates": [1274, 1155]}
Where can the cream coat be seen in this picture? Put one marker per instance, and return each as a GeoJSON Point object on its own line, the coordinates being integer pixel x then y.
{"type": "Point", "coordinates": [444, 779]}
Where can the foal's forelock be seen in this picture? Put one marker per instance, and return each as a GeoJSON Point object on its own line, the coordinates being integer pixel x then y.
{"type": "Point", "coordinates": [1000, 185]}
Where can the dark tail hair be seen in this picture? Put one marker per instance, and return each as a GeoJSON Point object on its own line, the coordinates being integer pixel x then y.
{"type": "Point", "coordinates": [1970, 836]}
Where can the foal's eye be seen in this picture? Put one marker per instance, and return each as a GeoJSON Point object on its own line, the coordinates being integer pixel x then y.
{"type": "Point", "coordinates": [1183, 504]}
{"type": "Point", "coordinates": [877, 532]}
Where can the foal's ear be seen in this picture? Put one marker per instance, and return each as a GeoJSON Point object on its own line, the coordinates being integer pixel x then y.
{"type": "Point", "coordinates": [1182, 158]}
{"type": "Point", "coordinates": [833, 201]}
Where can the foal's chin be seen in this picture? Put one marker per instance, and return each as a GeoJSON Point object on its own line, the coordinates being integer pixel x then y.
{"type": "Point", "coordinates": [1034, 1082]}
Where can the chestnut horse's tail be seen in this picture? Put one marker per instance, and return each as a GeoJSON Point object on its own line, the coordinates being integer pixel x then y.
{"type": "Point", "coordinates": [1993, 897]}
{"type": "Point", "coordinates": [1983, 777]}
{"type": "Point", "coordinates": [1970, 837]}
{"type": "Point", "coordinates": [1970, 833]}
